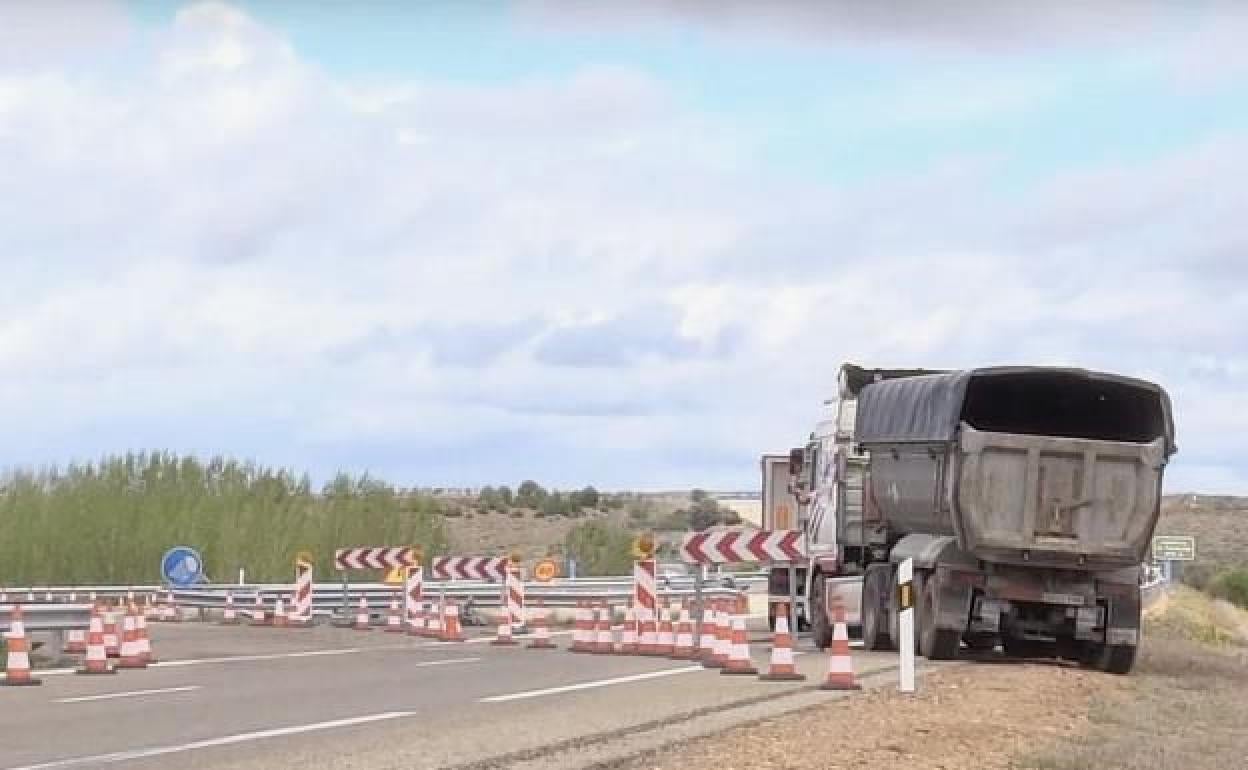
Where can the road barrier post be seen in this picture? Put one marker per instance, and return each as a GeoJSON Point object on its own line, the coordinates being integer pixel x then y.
{"type": "Point", "coordinates": [905, 624]}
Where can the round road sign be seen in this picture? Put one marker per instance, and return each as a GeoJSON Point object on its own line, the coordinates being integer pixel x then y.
{"type": "Point", "coordinates": [182, 566]}
{"type": "Point", "coordinates": [545, 571]}
{"type": "Point", "coordinates": [643, 545]}
{"type": "Point", "coordinates": [304, 558]}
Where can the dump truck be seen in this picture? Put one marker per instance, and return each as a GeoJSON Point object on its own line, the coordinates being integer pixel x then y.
{"type": "Point", "coordinates": [1026, 497]}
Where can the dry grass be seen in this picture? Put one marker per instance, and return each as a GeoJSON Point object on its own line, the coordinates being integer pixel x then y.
{"type": "Point", "coordinates": [1220, 525]}
{"type": "Point", "coordinates": [1184, 707]}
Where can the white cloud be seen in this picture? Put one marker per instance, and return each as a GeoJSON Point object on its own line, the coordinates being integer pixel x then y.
{"type": "Point", "coordinates": [226, 249]}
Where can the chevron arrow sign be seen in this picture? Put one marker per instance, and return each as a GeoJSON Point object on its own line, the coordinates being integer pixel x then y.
{"type": "Point", "coordinates": [382, 557]}
{"type": "Point", "coordinates": [470, 567]}
{"type": "Point", "coordinates": [728, 546]}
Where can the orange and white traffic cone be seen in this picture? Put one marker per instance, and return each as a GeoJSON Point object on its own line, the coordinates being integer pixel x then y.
{"type": "Point", "coordinates": [75, 641]}
{"type": "Point", "coordinates": [504, 638]}
{"type": "Point", "coordinates": [131, 654]}
{"type": "Point", "coordinates": [706, 640]}
{"type": "Point", "coordinates": [840, 664]}
{"type": "Point", "coordinates": [112, 637]}
{"type": "Point", "coordinates": [451, 631]}
{"type": "Point", "coordinates": [739, 661]}
{"type": "Point", "coordinates": [145, 642]}
{"type": "Point", "coordinates": [628, 642]}
{"type": "Point", "coordinates": [579, 638]}
{"type": "Point", "coordinates": [416, 623]}
{"type": "Point", "coordinates": [17, 667]}
{"type": "Point", "coordinates": [172, 611]}
{"type": "Point", "coordinates": [96, 661]}
{"type": "Point", "coordinates": [258, 615]}
{"type": "Point", "coordinates": [229, 617]}
{"type": "Point", "coordinates": [667, 639]}
{"type": "Point", "coordinates": [434, 620]}
{"type": "Point", "coordinates": [723, 636]}
{"type": "Point", "coordinates": [361, 616]}
{"type": "Point", "coordinates": [603, 644]}
{"type": "Point", "coordinates": [683, 649]}
{"type": "Point", "coordinates": [541, 630]}
{"type": "Point", "coordinates": [781, 667]}
{"type": "Point", "coordinates": [394, 621]}
{"type": "Point", "coordinates": [647, 635]}
{"type": "Point", "coordinates": [279, 613]}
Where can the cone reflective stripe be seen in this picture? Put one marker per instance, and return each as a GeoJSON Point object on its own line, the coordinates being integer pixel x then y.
{"type": "Point", "coordinates": [230, 617]}
{"type": "Point", "coordinates": [96, 661]}
{"type": "Point", "coordinates": [145, 643]}
{"type": "Point", "coordinates": [706, 643]}
{"type": "Point", "coordinates": [541, 630]}
{"type": "Point", "coordinates": [683, 649]}
{"type": "Point", "coordinates": [503, 638]}
{"type": "Point", "coordinates": [602, 639]}
{"type": "Point", "coordinates": [361, 616]}
{"type": "Point", "coordinates": [131, 655]}
{"type": "Point", "coordinates": [416, 622]}
{"type": "Point", "coordinates": [258, 617]}
{"type": "Point", "coordinates": [279, 613]}
{"type": "Point", "coordinates": [17, 665]}
{"type": "Point", "coordinates": [628, 644]}
{"type": "Point", "coordinates": [840, 663]}
{"type": "Point", "coordinates": [172, 613]}
{"type": "Point", "coordinates": [781, 667]}
{"type": "Point", "coordinates": [723, 638]}
{"type": "Point", "coordinates": [649, 640]}
{"type": "Point", "coordinates": [434, 620]}
{"type": "Point", "coordinates": [667, 639]}
{"type": "Point", "coordinates": [76, 641]}
{"type": "Point", "coordinates": [112, 640]}
{"type": "Point", "coordinates": [578, 629]}
{"type": "Point", "coordinates": [739, 661]}
{"type": "Point", "coordinates": [451, 631]}
{"type": "Point", "coordinates": [394, 621]}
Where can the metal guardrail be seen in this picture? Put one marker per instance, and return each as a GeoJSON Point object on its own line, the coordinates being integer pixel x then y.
{"type": "Point", "coordinates": [48, 617]}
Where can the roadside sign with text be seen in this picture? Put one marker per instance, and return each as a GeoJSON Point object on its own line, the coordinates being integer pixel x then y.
{"type": "Point", "coordinates": [1174, 548]}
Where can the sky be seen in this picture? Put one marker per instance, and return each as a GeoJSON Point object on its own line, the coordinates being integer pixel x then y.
{"type": "Point", "coordinates": [464, 243]}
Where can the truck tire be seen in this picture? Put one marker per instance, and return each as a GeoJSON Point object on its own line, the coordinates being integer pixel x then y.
{"type": "Point", "coordinates": [934, 643]}
{"type": "Point", "coordinates": [1116, 658]}
{"type": "Point", "coordinates": [820, 628]}
{"type": "Point", "coordinates": [876, 586]}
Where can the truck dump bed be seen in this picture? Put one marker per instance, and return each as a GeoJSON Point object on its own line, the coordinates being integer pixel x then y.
{"type": "Point", "coordinates": [1024, 465]}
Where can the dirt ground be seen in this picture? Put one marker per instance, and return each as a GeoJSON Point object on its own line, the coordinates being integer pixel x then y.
{"type": "Point", "coordinates": [1184, 706]}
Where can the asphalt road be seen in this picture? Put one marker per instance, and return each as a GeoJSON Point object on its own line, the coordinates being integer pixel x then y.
{"type": "Point", "coordinates": [327, 697]}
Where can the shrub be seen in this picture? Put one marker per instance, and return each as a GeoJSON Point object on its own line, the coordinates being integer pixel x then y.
{"type": "Point", "coordinates": [1232, 586]}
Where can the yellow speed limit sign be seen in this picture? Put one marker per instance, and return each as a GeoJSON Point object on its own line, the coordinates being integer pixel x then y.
{"type": "Point", "coordinates": [643, 546]}
{"type": "Point", "coordinates": [304, 558]}
{"type": "Point", "coordinates": [545, 571]}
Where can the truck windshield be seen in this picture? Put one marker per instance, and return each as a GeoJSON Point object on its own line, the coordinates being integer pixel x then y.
{"type": "Point", "coordinates": [1064, 404]}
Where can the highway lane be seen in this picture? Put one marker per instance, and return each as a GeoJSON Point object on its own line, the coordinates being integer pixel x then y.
{"type": "Point", "coordinates": [335, 698]}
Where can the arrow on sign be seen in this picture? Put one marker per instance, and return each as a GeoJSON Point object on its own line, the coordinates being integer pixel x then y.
{"type": "Point", "coordinates": [742, 545]}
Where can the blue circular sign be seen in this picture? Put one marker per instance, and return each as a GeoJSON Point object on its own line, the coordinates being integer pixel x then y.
{"type": "Point", "coordinates": [182, 566]}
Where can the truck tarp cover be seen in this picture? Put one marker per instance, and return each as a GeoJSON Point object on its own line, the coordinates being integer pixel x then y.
{"type": "Point", "coordinates": [1048, 401]}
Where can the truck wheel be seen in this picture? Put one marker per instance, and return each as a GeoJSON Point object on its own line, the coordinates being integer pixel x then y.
{"type": "Point", "coordinates": [981, 642]}
{"type": "Point", "coordinates": [935, 643]}
{"type": "Point", "coordinates": [1116, 658]}
{"type": "Point", "coordinates": [875, 592]}
{"type": "Point", "coordinates": [820, 628]}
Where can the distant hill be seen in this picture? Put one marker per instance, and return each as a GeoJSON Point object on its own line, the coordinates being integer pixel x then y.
{"type": "Point", "coordinates": [1219, 523]}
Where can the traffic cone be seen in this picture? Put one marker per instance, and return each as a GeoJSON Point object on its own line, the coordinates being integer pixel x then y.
{"type": "Point", "coordinates": [723, 637]}
{"type": "Point", "coordinates": [739, 658]}
{"type": "Point", "coordinates": [361, 616]}
{"type": "Point", "coordinates": [648, 641]}
{"type": "Point", "coordinates": [667, 640]}
{"type": "Point", "coordinates": [683, 649]}
{"type": "Point", "coordinates": [628, 644]}
{"type": "Point", "coordinates": [578, 629]}
{"type": "Point", "coordinates": [416, 623]}
{"type": "Point", "coordinates": [75, 641]}
{"type": "Point", "coordinates": [17, 667]}
{"type": "Point", "coordinates": [434, 626]}
{"type": "Point", "coordinates": [781, 667]}
{"type": "Point", "coordinates": [394, 622]}
{"type": "Point", "coordinates": [541, 630]}
{"type": "Point", "coordinates": [112, 641]}
{"type": "Point", "coordinates": [131, 655]}
{"type": "Point", "coordinates": [172, 613]}
{"type": "Point", "coordinates": [504, 638]}
{"type": "Point", "coordinates": [229, 617]}
{"type": "Point", "coordinates": [96, 661]}
{"type": "Point", "coordinates": [840, 663]}
{"type": "Point", "coordinates": [145, 643]}
{"type": "Point", "coordinates": [258, 617]}
{"type": "Point", "coordinates": [279, 613]}
{"type": "Point", "coordinates": [452, 632]}
{"type": "Point", "coordinates": [706, 641]}
{"type": "Point", "coordinates": [603, 644]}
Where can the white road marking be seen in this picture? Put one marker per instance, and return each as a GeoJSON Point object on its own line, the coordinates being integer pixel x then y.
{"type": "Point", "coordinates": [131, 694]}
{"type": "Point", "coordinates": [591, 685]}
{"type": "Point", "coordinates": [253, 658]}
{"type": "Point", "coordinates": [125, 756]}
{"type": "Point", "coordinates": [447, 662]}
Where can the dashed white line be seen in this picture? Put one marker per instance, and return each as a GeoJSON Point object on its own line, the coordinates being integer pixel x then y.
{"type": "Point", "coordinates": [130, 694]}
{"type": "Point", "coordinates": [591, 685]}
{"type": "Point", "coordinates": [125, 756]}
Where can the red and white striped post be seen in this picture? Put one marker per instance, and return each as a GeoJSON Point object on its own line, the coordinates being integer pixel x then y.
{"type": "Point", "coordinates": [301, 600]}
{"type": "Point", "coordinates": [513, 594]}
{"type": "Point", "coordinates": [413, 598]}
{"type": "Point", "coordinates": [645, 597]}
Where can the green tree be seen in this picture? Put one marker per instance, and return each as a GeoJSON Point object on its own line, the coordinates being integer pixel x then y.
{"type": "Point", "coordinates": [588, 497]}
{"type": "Point", "coordinates": [530, 494]}
{"type": "Point", "coordinates": [600, 548]}
{"type": "Point", "coordinates": [504, 494]}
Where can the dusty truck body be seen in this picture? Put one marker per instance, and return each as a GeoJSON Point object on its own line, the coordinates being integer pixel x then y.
{"type": "Point", "coordinates": [1027, 498]}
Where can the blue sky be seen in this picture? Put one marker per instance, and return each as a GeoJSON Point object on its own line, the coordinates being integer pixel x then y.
{"type": "Point", "coordinates": [467, 243]}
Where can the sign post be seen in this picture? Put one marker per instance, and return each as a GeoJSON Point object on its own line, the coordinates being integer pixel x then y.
{"type": "Point", "coordinates": [1172, 551]}
{"type": "Point", "coordinates": [905, 623]}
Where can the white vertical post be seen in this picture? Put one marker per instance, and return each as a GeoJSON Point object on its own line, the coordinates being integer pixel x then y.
{"type": "Point", "coordinates": [905, 623]}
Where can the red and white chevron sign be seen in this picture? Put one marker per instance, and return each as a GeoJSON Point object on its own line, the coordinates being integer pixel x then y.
{"type": "Point", "coordinates": [470, 567]}
{"type": "Point", "coordinates": [382, 557]}
{"type": "Point", "coordinates": [726, 546]}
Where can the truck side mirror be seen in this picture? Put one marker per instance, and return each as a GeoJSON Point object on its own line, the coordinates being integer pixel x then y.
{"type": "Point", "coordinates": [796, 458]}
